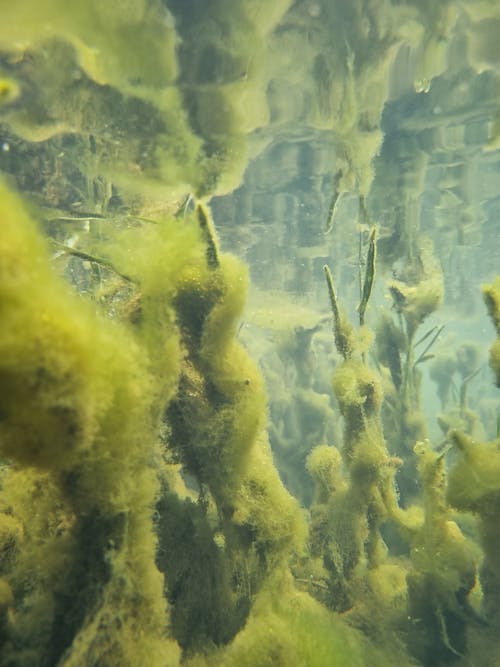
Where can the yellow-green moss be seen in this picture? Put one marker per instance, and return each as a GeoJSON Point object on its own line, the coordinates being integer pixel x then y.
{"type": "Point", "coordinates": [9, 90]}
{"type": "Point", "coordinates": [101, 34]}
{"type": "Point", "coordinates": [191, 294]}
{"type": "Point", "coordinates": [324, 466]}
{"type": "Point", "coordinates": [355, 385]}
{"type": "Point", "coordinates": [443, 571]}
{"type": "Point", "coordinates": [263, 506]}
{"type": "Point", "coordinates": [289, 629]}
{"type": "Point", "coordinates": [417, 302]}
{"type": "Point", "coordinates": [491, 294]}
{"type": "Point", "coordinates": [474, 482]}
{"type": "Point", "coordinates": [78, 396]}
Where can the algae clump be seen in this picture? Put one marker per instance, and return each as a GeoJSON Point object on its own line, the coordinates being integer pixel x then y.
{"type": "Point", "coordinates": [76, 425]}
{"type": "Point", "coordinates": [99, 418]}
{"type": "Point", "coordinates": [142, 517]}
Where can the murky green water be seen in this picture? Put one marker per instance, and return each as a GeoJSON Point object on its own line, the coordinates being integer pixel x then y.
{"type": "Point", "coordinates": [249, 320]}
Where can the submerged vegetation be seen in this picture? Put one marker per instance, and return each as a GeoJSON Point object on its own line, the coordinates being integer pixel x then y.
{"type": "Point", "coordinates": [163, 500]}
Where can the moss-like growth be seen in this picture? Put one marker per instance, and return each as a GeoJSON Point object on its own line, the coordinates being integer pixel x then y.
{"type": "Point", "coordinates": [390, 346]}
{"type": "Point", "coordinates": [142, 518]}
{"type": "Point", "coordinates": [415, 296]}
{"type": "Point", "coordinates": [101, 35]}
{"type": "Point", "coordinates": [443, 573]}
{"type": "Point", "coordinates": [474, 487]}
{"type": "Point", "coordinates": [288, 628]}
{"type": "Point", "coordinates": [324, 465]}
{"type": "Point", "coordinates": [246, 523]}
{"type": "Point", "coordinates": [92, 423]}
{"type": "Point", "coordinates": [420, 290]}
{"type": "Point", "coordinates": [77, 408]}
{"type": "Point", "coordinates": [491, 295]}
{"type": "Point", "coordinates": [348, 516]}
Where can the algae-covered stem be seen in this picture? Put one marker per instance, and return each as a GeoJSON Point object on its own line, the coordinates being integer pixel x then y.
{"type": "Point", "coordinates": [369, 276]}
{"type": "Point", "coordinates": [333, 201]}
{"type": "Point", "coordinates": [341, 328]}
{"type": "Point", "coordinates": [206, 226]}
{"type": "Point", "coordinates": [341, 333]}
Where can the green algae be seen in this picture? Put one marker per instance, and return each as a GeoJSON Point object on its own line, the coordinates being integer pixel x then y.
{"type": "Point", "coordinates": [132, 417]}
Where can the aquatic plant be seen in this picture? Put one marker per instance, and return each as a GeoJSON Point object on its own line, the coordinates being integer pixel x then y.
{"type": "Point", "coordinates": [143, 516]}
{"type": "Point", "coordinates": [348, 516]}
{"type": "Point", "coordinates": [78, 546]}
{"type": "Point", "coordinates": [84, 414]}
{"type": "Point", "coordinates": [416, 295]}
